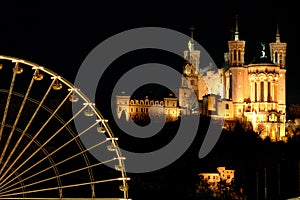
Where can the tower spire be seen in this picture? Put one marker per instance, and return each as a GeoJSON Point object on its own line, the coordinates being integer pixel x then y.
{"type": "Point", "coordinates": [278, 50]}
{"type": "Point", "coordinates": [277, 32]}
{"type": "Point", "coordinates": [236, 33]}
{"type": "Point", "coordinates": [236, 48]}
{"type": "Point", "coordinates": [192, 32]}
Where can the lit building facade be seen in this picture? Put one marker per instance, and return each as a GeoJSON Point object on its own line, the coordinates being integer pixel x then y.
{"type": "Point", "coordinates": [253, 93]}
{"type": "Point", "coordinates": [222, 174]}
{"type": "Point", "coordinates": [144, 109]}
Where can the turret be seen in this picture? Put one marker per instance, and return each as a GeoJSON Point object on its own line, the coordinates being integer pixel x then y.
{"type": "Point", "coordinates": [236, 48]}
{"type": "Point", "coordinates": [278, 51]}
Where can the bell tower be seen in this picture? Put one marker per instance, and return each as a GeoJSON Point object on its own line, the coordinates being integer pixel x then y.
{"type": "Point", "coordinates": [278, 51]}
{"type": "Point", "coordinates": [236, 48]}
{"type": "Point", "coordinates": [237, 72]}
{"type": "Point", "coordinates": [278, 57]}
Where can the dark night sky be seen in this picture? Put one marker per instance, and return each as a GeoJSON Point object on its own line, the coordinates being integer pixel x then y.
{"type": "Point", "coordinates": [59, 36]}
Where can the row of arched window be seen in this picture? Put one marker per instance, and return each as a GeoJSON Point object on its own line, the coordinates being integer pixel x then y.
{"type": "Point", "coordinates": [151, 103]}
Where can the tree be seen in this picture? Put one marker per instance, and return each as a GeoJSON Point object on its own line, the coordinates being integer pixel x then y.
{"type": "Point", "coordinates": [222, 191]}
{"type": "Point", "coordinates": [203, 190]}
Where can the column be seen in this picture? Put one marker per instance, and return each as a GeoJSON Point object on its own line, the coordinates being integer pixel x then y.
{"type": "Point", "coordinates": [276, 92]}
{"type": "Point", "coordinates": [227, 87]}
{"type": "Point", "coordinates": [265, 91]}
{"type": "Point", "coordinates": [242, 56]}
{"type": "Point", "coordinates": [272, 91]}
{"type": "Point", "coordinates": [258, 91]}
{"type": "Point", "coordinates": [253, 91]}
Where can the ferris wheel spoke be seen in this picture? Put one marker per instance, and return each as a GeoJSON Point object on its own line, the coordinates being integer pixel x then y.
{"type": "Point", "coordinates": [50, 154]}
{"type": "Point", "coordinates": [58, 131]}
{"type": "Point", "coordinates": [7, 102]}
{"type": "Point", "coordinates": [25, 130]}
{"type": "Point", "coordinates": [20, 182]}
{"type": "Point", "coordinates": [50, 178]}
{"type": "Point", "coordinates": [18, 176]}
{"type": "Point", "coordinates": [43, 155]}
{"type": "Point", "coordinates": [14, 126]}
{"type": "Point", "coordinates": [65, 186]}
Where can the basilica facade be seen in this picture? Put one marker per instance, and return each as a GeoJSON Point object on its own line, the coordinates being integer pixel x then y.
{"type": "Point", "coordinates": [253, 93]}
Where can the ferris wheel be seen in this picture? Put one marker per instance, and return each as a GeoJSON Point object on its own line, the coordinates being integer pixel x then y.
{"type": "Point", "coordinates": [42, 155]}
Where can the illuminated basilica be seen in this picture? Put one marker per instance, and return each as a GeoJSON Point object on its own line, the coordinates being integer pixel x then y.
{"type": "Point", "coordinates": [253, 93]}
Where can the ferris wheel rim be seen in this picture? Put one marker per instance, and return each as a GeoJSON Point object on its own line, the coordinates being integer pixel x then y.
{"type": "Point", "coordinates": [85, 99]}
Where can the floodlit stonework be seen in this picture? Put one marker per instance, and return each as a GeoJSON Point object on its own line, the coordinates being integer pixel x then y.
{"type": "Point", "coordinates": [253, 93]}
{"type": "Point", "coordinates": [222, 174]}
{"type": "Point", "coordinates": [145, 109]}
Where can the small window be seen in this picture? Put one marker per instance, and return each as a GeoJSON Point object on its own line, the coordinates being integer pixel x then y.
{"type": "Point", "coordinates": [226, 106]}
{"type": "Point", "coordinates": [234, 55]}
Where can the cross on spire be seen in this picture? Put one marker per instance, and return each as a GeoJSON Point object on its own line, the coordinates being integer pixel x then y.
{"type": "Point", "coordinates": [192, 28]}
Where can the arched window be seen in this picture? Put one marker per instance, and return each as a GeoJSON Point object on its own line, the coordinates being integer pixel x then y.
{"type": "Point", "coordinates": [262, 91]}
{"type": "Point", "coordinates": [280, 59]}
{"type": "Point", "coordinates": [234, 55]}
{"type": "Point", "coordinates": [255, 92]}
{"type": "Point", "coordinates": [269, 92]}
{"type": "Point", "coordinates": [226, 106]}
